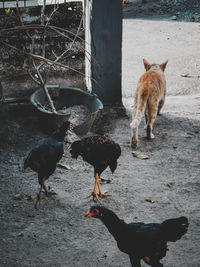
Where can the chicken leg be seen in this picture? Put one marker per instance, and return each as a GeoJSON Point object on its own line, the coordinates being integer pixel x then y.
{"type": "Point", "coordinates": [37, 198]}
{"type": "Point", "coordinates": [135, 262]}
{"type": "Point", "coordinates": [94, 192]}
{"type": "Point", "coordinates": [98, 184]}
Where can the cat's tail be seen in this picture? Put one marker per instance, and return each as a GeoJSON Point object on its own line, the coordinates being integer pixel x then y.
{"type": "Point", "coordinates": [141, 105]}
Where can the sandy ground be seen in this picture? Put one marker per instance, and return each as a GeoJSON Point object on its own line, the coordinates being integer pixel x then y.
{"type": "Point", "coordinates": [57, 234]}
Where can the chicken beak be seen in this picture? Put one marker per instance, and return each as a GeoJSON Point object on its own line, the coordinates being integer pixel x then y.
{"type": "Point", "coordinates": [88, 215]}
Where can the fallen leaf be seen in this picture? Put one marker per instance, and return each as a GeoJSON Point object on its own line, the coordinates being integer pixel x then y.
{"type": "Point", "coordinates": [64, 166]}
{"type": "Point", "coordinates": [149, 199]}
{"type": "Point", "coordinates": [18, 197]}
{"type": "Point", "coordinates": [140, 156]}
{"type": "Point", "coordinates": [28, 197]}
{"type": "Point", "coordinates": [190, 75]}
{"type": "Point", "coordinates": [185, 75]}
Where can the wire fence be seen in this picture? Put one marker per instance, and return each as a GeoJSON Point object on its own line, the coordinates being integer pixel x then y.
{"type": "Point", "coordinates": [27, 3]}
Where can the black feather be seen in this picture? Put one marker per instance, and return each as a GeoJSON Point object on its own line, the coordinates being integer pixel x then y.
{"type": "Point", "coordinates": [140, 240]}
{"type": "Point", "coordinates": [175, 228]}
{"type": "Point", "coordinates": [99, 151]}
{"type": "Point", "coordinates": [46, 153]}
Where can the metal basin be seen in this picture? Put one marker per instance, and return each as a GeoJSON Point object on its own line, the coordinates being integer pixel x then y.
{"type": "Point", "coordinates": [67, 97]}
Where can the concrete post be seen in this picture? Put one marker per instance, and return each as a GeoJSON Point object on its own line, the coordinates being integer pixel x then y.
{"type": "Point", "coordinates": [105, 40]}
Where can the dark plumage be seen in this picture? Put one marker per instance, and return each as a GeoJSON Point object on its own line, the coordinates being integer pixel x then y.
{"type": "Point", "coordinates": [45, 154]}
{"type": "Point", "coordinates": [140, 240]}
{"type": "Point", "coordinates": [100, 152]}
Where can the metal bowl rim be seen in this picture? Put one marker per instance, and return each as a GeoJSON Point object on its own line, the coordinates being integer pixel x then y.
{"type": "Point", "coordinates": [32, 100]}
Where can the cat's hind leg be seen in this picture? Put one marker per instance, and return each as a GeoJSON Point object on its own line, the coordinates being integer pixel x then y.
{"type": "Point", "coordinates": [153, 109]}
{"type": "Point", "coordinates": [160, 105]}
{"type": "Point", "coordinates": [134, 126]}
{"type": "Point", "coordinates": [161, 102]}
{"type": "Point", "coordinates": [134, 133]}
{"type": "Point", "coordinates": [139, 107]}
{"type": "Point", "coordinates": [146, 114]}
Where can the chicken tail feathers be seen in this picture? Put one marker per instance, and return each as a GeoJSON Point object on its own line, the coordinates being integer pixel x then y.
{"type": "Point", "coordinates": [27, 161]}
{"type": "Point", "coordinates": [174, 229]}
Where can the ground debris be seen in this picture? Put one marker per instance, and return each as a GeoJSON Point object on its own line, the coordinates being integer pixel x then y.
{"type": "Point", "coordinates": [78, 114]}
{"type": "Point", "coordinates": [21, 196]}
{"type": "Point", "coordinates": [140, 156]}
{"type": "Point", "coordinates": [189, 75]}
{"type": "Point", "coordinates": [149, 199]}
{"type": "Point", "coordinates": [64, 166]}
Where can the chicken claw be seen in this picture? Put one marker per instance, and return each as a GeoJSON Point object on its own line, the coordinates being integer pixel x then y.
{"type": "Point", "coordinates": [99, 187]}
{"type": "Point", "coordinates": [36, 200]}
{"type": "Point", "coordinates": [94, 192]}
{"type": "Point", "coordinates": [94, 195]}
{"type": "Point", "coordinates": [104, 194]}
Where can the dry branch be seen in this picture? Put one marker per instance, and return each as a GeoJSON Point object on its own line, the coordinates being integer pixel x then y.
{"type": "Point", "coordinates": [62, 32]}
{"type": "Point", "coordinates": [47, 61]}
{"type": "Point", "coordinates": [39, 79]}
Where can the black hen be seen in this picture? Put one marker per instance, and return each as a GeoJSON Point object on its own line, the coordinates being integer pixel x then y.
{"type": "Point", "coordinates": [44, 156]}
{"type": "Point", "coordinates": [100, 152]}
{"type": "Point", "coordinates": [140, 240]}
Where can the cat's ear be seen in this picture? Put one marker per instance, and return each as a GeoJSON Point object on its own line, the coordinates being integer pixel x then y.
{"type": "Point", "coordinates": [146, 64]}
{"type": "Point", "coordinates": [163, 65]}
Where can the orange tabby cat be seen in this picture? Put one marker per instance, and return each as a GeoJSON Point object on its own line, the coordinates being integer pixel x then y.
{"type": "Point", "coordinates": [149, 98]}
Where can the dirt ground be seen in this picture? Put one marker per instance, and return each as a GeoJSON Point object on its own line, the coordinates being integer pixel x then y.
{"type": "Point", "coordinates": [57, 234]}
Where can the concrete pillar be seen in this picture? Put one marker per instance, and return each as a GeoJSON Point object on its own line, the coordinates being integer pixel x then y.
{"type": "Point", "coordinates": [105, 39]}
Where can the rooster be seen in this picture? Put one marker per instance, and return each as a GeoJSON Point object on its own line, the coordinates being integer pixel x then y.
{"type": "Point", "coordinates": [44, 156]}
{"type": "Point", "coordinates": [140, 240]}
{"type": "Point", "coordinates": [100, 152]}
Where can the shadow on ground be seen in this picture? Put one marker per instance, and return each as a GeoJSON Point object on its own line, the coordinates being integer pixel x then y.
{"type": "Point", "coordinates": [57, 234]}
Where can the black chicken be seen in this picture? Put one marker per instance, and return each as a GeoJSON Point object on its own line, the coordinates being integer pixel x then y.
{"type": "Point", "coordinates": [44, 156]}
{"type": "Point", "coordinates": [100, 152]}
{"type": "Point", "coordinates": [140, 240]}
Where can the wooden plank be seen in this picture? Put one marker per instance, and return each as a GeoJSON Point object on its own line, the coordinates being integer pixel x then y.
{"type": "Point", "coordinates": [106, 48]}
{"type": "Point", "coordinates": [87, 10]}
